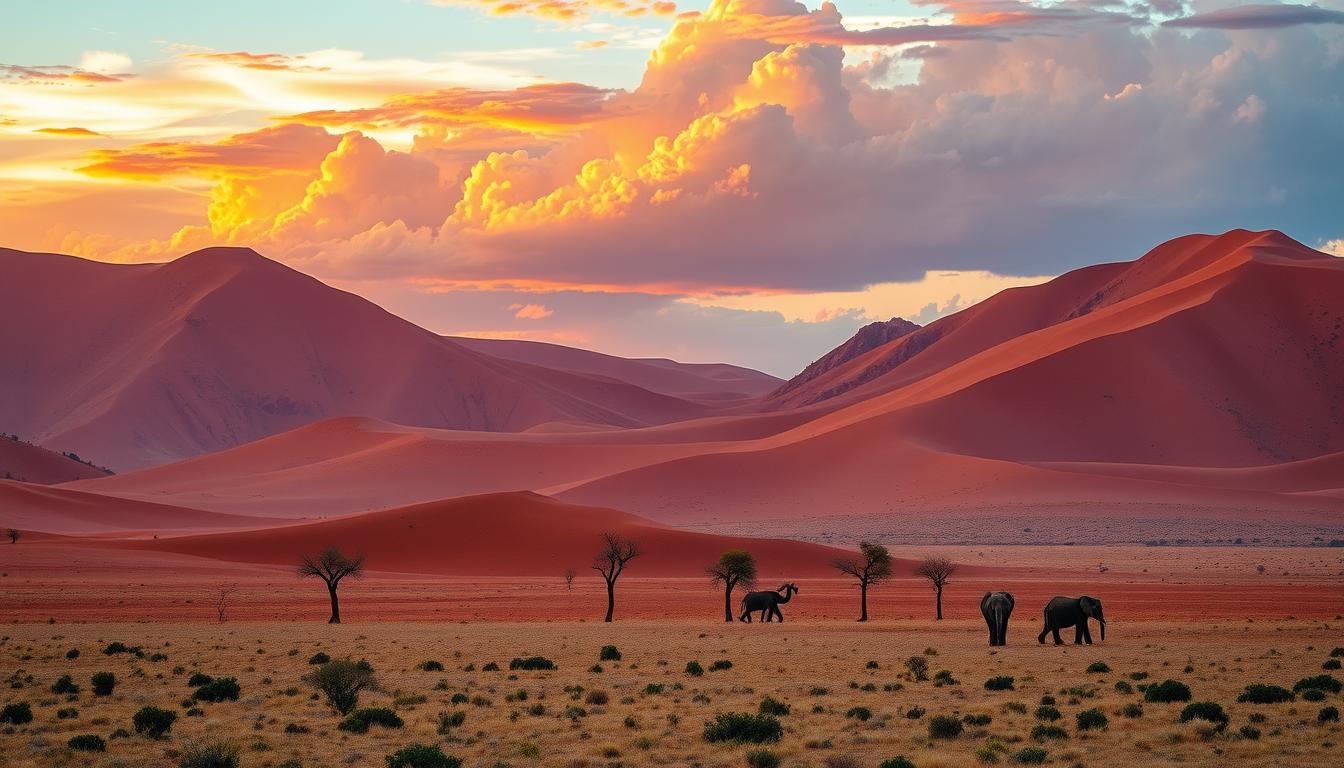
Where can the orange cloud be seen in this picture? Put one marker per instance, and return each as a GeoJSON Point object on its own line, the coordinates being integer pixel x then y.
{"type": "Point", "coordinates": [277, 149]}
{"type": "Point", "coordinates": [56, 74]}
{"type": "Point", "coordinates": [68, 131]}
{"type": "Point", "coordinates": [270, 62]}
{"type": "Point", "coordinates": [531, 311]}
{"type": "Point", "coordinates": [568, 10]}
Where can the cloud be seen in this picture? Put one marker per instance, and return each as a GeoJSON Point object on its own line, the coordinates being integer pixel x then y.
{"type": "Point", "coordinates": [569, 10]}
{"type": "Point", "coordinates": [531, 311]}
{"type": "Point", "coordinates": [1334, 247]}
{"type": "Point", "coordinates": [55, 74]}
{"type": "Point", "coordinates": [105, 62]}
{"type": "Point", "coordinates": [72, 131]}
{"type": "Point", "coordinates": [270, 62]}
{"type": "Point", "coordinates": [278, 149]}
{"type": "Point", "coordinates": [1269, 16]}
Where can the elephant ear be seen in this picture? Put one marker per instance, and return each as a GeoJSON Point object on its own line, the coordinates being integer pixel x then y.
{"type": "Point", "coordinates": [1088, 604]}
{"type": "Point", "coordinates": [1011, 601]}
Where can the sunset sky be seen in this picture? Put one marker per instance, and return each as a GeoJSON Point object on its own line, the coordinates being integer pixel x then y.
{"type": "Point", "coordinates": [739, 180]}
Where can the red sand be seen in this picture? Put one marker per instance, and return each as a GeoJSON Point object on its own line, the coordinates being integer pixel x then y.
{"type": "Point", "coordinates": [32, 464]}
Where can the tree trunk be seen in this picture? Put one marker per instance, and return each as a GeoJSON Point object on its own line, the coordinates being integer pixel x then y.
{"type": "Point", "coordinates": [728, 605]}
{"type": "Point", "coordinates": [863, 601]}
{"type": "Point", "coordinates": [335, 606]}
{"type": "Point", "coordinates": [611, 599]}
{"type": "Point", "coordinates": [939, 615]}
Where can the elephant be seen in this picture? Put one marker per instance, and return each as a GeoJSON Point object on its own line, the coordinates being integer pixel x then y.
{"type": "Point", "coordinates": [996, 607]}
{"type": "Point", "coordinates": [1064, 612]}
{"type": "Point", "coordinates": [767, 602]}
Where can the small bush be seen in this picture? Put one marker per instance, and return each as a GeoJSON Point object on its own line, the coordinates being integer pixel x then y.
{"type": "Point", "coordinates": [609, 653]}
{"type": "Point", "coordinates": [743, 727]}
{"type": "Point", "coordinates": [489, 666]}
{"type": "Point", "coordinates": [1044, 732]}
{"type": "Point", "coordinates": [1132, 710]}
{"type": "Point", "coordinates": [532, 663]}
{"type": "Point", "coordinates": [1098, 667]}
{"type": "Point", "coordinates": [87, 743]}
{"type": "Point", "coordinates": [1259, 693]}
{"type": "Point", "coordinates": [154, 722]}
{"type": "Point", "coordinates": [914, 713]}
{"type": "Point", "coordinates": [1331, 664]}
{"type": "Point", "coordinates": [431, 666]}
{"type": "Point", "coordinates": [1090, 719]}
{"type": "Point", "coordinates": [341, 682]}
{"type": "Point", "coordinates": [223, 689]}
{"type": "Point", "coordinates": [210, 755]}
{"type": "Point", "coordinates": [72, 654]}
{"type": "Point", "coordinates": [68, 713]}
{"type": "Point", "coordinates": [360, 720]}
{"type": "Point", "coordinates": [1249, 732]}
{"type": "Point", "coordinates": [862, 714]}
{"type": "Point", "coordinates": [1123, 687]}
{"type": "Point", "coordinates": [1167, 691]}
{"type": "Point", "coordinates": [918, 666]}
{"type": "Point", "coordinates": [653, 689]}
{"type": "Point", "coordinates": [295, 728]}
{"type": "Point", "coordinates": [977, 720]}
{"type": "Point", "coordinates": [118, 647]}
{"type": "Point", "coordinates": [451, 720]}
{"type": "Point", "coordinates": [1208, 711]}
{"type": "Point", "coordinates": [64, 685]}
{"type": "Point", "coordinates": [1313, 694]}
{"type": "Point", "coordinates": [896, 762]}
{"type": "Point", "coordinates": [694, 669]}
{"type": "Point", "coordinates": [1327, 715]}
{"type": "Point", "coordinates": [1337, 652]}
{"type": "Point", "coordinates": [1047, 713]}
{"type": "Point", "coordinates": [944, 727]}
{"type": "Point", "coordinates": [421, 756]}
{"type": "Point", "coordinates": [1319, 683]}
{"type": "Point", "coordinates": [103, 683]}
{"type": "Point", "coordinates": [596, 698]}
{"type": "Point", "coordinates": [771, 706]}
{"type": "Point", "coordinates": [198, 679]}
{"type": "Point", "coordinates": [319, 658]}
{"type": "Point", "coordinates": [720, 665]}
{"type": "Point", "coordinates": [999, 683]}
{"type": "Point", "coordinates": [1029, 756]}
{"type": "Point", "coordinates": [762, 758]}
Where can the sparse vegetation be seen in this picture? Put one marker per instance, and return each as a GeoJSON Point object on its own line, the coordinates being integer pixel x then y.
{"type": "Point", "coordinates": [17, 713]}
{"type": "Point", "coordinates": [221, 689]}
{"type": "Point", "coordinates": [531, 663]}
{"type": "Point", "coordinates": [421, 756]}
{"type": "Point", "coordinates": [1259, 693]}
{"type": "Point", "coordinates": [1167, 691]}
{"type": "Point", "coordinates": [1208, 711]}
{"type": "Point", "coordinates": [999, 683]}
{"type": "Point", "coordinates": [609, 653]}
{"type": "Point", "coordinates": [210, 755]}
{"type": "Point", "coordinates": [154, 722]}
{"type": "Point", "coordinates": [87, 742]}
{"type": "Point", "coordinates": [772, 706]}
{"type": "Point", "coordinates": [743, 727]}
{"type": "Point", "coordinates": [359, 720]}
{"type": "Point", "coordinates": [341, 682]}
{"type": "Point", "coordinates": [1091, 719]}
{"type": "Point", "coordinates": [944, 727]}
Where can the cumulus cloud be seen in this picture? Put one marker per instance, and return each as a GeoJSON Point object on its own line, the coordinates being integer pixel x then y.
{"type": "Point", "coordinates": [1268, 16]}
{"type": "Point", "coordinates": [531, 311]}
{"type": "Point", "coordinates": [569, 10]}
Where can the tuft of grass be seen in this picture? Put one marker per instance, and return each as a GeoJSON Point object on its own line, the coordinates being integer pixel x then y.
{"type": "Point", "coordinates": [900, 761]}
{"type": "Point", "coordinates": [87, 742]}
{"type": "Point", "coordinates": [1047, 713]}
{"type": "Point", "coordinates": [762, 758]}
{"type": "Point", "coordinates": [743, 727]}
{"type": "Point", "coordinates": [720, 665]}
{"type": "Point", "coordinates": [216, 754]}
{"type": "Point", "coordinates": [772, 706]}
{"type": "Point", "coordinates": [944, 727]}
{"type": "Point", "coordinates": [1327, 715]}
{"type": "Point", "coordinates": [1098, 667]}
{"type": "Point", "coordinates": [64, 685]}
{"type": "Point", "coordinates": [1132, 710]}
{"type": "Point", "coordinates": [431, 666]}
{"type": "Point", "coordinates": [319, 658]}
{"type": "Point", "coordinates": [977, 720]}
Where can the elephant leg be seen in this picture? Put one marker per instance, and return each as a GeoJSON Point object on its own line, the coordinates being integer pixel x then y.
{"type": "Point", "coordinates": [1078, 634]}
{"type": "Point", "coordinates": [1041, 638]}
{"type": "Point", "coordinates": [1087, 633]}
{"type": "Point", "coordinates": [1058, 640]}
{"type": "Point", "coordinates": [779, 614]}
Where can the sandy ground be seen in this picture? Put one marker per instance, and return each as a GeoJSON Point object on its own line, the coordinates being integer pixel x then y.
{"type": "Point", "coordinates": [821, 670]}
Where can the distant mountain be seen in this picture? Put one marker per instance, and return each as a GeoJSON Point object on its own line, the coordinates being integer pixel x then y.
{"type": "Point", "coordinates": [144, 364]}
{"type": "Point", "coordinates": [868, 338]}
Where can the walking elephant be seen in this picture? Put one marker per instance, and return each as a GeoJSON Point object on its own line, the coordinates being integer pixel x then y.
{"type": "Point", "coordinates": [1065, 612]}
{"type": "Point", "coordinates": [996, 607]}
{"type": "Point", "coordinates": [767, 602]}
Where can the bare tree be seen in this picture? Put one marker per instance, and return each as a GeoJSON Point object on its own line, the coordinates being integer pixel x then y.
{"type": "Point", "coordinates": [938, 570]}
{"type": "Point", "coordinates": [610, 562]}
{"type": "Point", "coordinates": [14, 535]}
{"type": "Point", "coordinates": [872, 566]}
{"type": "Point", "coordinates": [734, 567]}
{"type": "Point", "coordinates": [570, 573]}
{"type": "Point", "coordinates": [331, 566]}
{"type": "Point", "coordinates": [222, 594]}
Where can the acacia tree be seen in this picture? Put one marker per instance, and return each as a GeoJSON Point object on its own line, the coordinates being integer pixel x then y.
{"type": "Point", "coordinates": [13, 535]}
{"type": "Point", "coordinates": [938, 570]}
{"type": "Point", "coordinates": [569, 579]}
{"type": "Point", "coordinates": [872, 566]}
{"type": "Point", "coordinates": [734, 567]}
{"type": "Point", "coordinates": [610, 562]}
{"type": "Point", "coordinates": [223, 593]}
{"type": "Point", "coordinates": [331, 566]}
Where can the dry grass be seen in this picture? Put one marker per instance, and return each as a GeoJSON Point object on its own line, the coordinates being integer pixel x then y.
{"type": "Point", "coordinates": [636, 727]}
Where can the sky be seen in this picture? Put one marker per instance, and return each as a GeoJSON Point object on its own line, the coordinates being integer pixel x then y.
{"type": "Point", "coordinates": [722, 180]}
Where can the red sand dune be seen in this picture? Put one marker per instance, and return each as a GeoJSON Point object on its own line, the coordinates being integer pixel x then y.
{"type": "Point", "coordinates": [505, 534]}
{"type": "Point", "coordinates": [135, 365]}
{"type": "Point", "coordinates": [61, 510]}
{"type": "Point", "coordinates": [33, 464]}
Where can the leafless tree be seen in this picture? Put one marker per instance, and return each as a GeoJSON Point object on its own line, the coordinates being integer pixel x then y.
{"type": "Point", "coordinates": [570, 573]}
{"type": "Point", "coordinates": [14, 535]}
{"type": "Point", "coordinates": [872, 566]}
{"type": "Point", "coordinates": [734, 567]}
{"type": "Point", "coordinates": [938, 570]}
{"type": "Point", "coordinates": [222, 594]}
{"type": "Point", "coordinates": [331, 566]}
{"type": "Point", "coordinates": [610, 561]}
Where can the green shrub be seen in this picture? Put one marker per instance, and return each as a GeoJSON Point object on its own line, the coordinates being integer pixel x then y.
{"type": "Point", "coordinates": [1090, 719]}
{"type": "Point", "coordinates": [1249, 732]}
{"type": "Point", "coordinates": [720, 665]}
{"type": "Point", "coordinates": [532, 663]}
{"type": "Point", "coordinates": [1259, 693]}
{"type": "Point", "coordinates": [1327, 715]}
{"type": "Point", "coordinates": [944, 727]}
{"type": "Point", "coordinates": [210, 755]}
{"type": "Point", "coordinates": [1029, 756]}
{"type": "Point", "coordinates": [977, 720]}
{"type": "Point", "coordinates": [73, 653]}
{"type": "Point", "coordinates": [1123, 687]}
{"type": "Point", "coordinates": [1332, 664]}
{"type": "Point", "coordinates": [862, 714]}
{"type": "Point", "coordinates": [918, 666]}
{"type": "Point", "coordinates": [103, 683]}
{"type": "Point", "coordinates": [431, 666]}
{"type": "Point", "coordinates": [319, 658]}
{"type": "Point", "coordinates": [762, 758]}
{"type": "Point", "coordinates": [1336, 652]}
{"type": "Point", "coordinates": [341, 682]}
{"type": "Point", "coordinates": [421, 756]}
{"type": "Point", "coordinates": [1319, 683]}
{"type": "Point", "coordinates": [609, 653]}
{"type": "Point", "coordinates": [1132, 710]}
{"type": "Point", "coordinates": [999, 683]}
{"type": "Point", "coordinates": [1313, 694]}
{"type": "Point", "coordinates": [1098, 667]}
{"type": "Point", "coordinates": [914, 713]}
{"type": "Point", "coordinates": [1047, 713]}
{"type": "Point", "coordinates": [694, 669]}
{"type": "Point", "coordinates": [771, 706]}
{"type": "Point", "coordinates": [222, 689]}
{"type": "Point", "coordinates": [451, 720]}
{"type": "Point", "coordinates": [489, 666]}
{"type": "Point", "coordinates": [596, 698]}
{"type": "Point", "coordinates": [1043, 732]}
{"type": "Point", "coordinates": [653, 689]}
{"type": "Point", "coordinates": [198, 679]}
{"type": "Point", "coordinates": [153, 722]}
{"type": "Point", "coordinates": [743, 727]}
{"type": "Point", "coordinates": [1208, 711]}
{"type": "Point", "coordinates": [87, 743]}
{"type": "Point", "coordinates": [118, 647]}
{"type": "Point", "coordinates": [360, 720]}
{"type": "Point", "coordinates": [1167, 691]}
{"type": "Point", "coordinates": [896, 762]}
{"type": "Point", "coordinates": [64, 685]}
{"type": "Point", "coordinates": [944, 677]}
{"type": "Point", "coordinates": [68, 713]}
